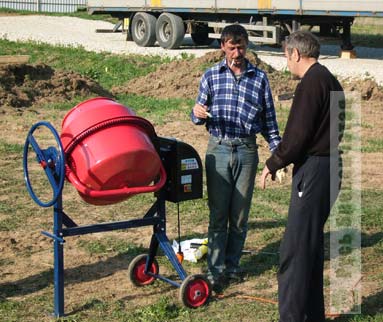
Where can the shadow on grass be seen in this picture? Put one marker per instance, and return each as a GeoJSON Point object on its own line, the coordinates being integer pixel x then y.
{"type": "Point", "coordinates": [255, 264]}
{"type": "Point", "coordinates": [266, 224]}
{"type": "Point", "coordinates": [371, 308]}
{"type": "Point", "coordinates": [79, 274]}
{"type": "Point", "coordinates": [268, 256]}
{"type": "Point", "coordinates": [263, 260]}
{"type": "Point", "coordinates": [366, 240]}
{"type": "Point", "coordinates": [372, 305]}
{"type": "Point", "coordinates": [371, 240]}
{"type": "Point", "coordinates": [251, 226]}
{"type": "Point", "coordinates": [132, 297]}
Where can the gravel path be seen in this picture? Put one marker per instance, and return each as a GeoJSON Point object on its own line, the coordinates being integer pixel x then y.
{"type": "Point", "coordinates": [70, 31]}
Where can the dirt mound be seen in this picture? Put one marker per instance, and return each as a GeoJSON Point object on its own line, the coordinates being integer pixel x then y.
{"type": "Point", "coordinates": [369, 89]}
{"type": "Point", "coordinates": [181, 78]}
{"type": "Point", "coordinates": [23, 85]}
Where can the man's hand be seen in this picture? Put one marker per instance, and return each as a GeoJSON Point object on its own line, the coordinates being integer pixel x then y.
{"type": "Point", "coordinates": [279, 174]}
{"type": "Point", "coordinates": [264, 175]}
{"type": "Point", "coordinates": [200, 111]}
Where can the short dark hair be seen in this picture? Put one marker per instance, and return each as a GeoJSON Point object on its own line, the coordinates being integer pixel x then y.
{"type": "Point", "coordinates": [236, 33]}
{"type": "Point", "coordinates": [305, 42]}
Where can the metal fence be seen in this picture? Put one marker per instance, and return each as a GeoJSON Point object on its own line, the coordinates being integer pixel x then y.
{"type": "Point", "coordinates": [44, 5]}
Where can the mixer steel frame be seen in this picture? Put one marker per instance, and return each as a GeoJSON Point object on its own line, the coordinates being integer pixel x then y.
{"type": "Point", "coordinates": [195, 289]}
{"type": "Point", "coordinates": [64, 226]}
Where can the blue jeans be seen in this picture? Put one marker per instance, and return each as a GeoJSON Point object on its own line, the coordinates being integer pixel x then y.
{"type": "Point", "coordinates": [231, 166]}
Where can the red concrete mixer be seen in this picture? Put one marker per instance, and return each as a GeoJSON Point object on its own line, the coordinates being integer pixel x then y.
{"type": "Point", "coordinates": [109, 152]}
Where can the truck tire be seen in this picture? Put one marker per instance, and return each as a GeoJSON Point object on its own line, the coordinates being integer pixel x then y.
{"type": "Point", "coordinates": [200, 35]}
{"type": "Point", "coordinates": [170, 30]}
{"type": "Point", "coordinates": [144, 29]}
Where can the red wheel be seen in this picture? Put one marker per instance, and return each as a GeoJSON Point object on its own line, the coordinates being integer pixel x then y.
{"type": "Point", "coordinates": [137, 273]}
{"type": "Point", "coordinates": [195, 291]}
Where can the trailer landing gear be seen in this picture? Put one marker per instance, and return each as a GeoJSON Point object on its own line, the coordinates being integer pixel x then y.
{"type": "Point", "coordinates": [347, 49]}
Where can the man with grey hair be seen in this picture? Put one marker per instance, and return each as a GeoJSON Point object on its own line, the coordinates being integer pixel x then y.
{"type": "Point", "coordinates": [306, 143]}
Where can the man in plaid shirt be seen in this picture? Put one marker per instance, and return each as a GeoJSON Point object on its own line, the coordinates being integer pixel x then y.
{"type": "Point", "coordinates": [235, 103]}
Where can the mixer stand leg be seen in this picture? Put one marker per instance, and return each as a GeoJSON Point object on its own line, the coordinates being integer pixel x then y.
{"type": "Point", "coordinates": [59, 278]}
{"type": "Point", "coordinates": [170, 254]}
{"type": "Point", "coordinates": [58, 248]}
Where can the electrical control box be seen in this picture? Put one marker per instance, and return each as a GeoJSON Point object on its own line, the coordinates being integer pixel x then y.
{"type": "Point", "coordinates": [183, 168]}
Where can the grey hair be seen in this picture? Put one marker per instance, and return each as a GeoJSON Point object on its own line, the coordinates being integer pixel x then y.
{"type": "Point", "coordinates": [305, 42]}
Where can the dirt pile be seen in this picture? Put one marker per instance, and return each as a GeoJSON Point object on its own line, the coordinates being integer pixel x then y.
{"type": "Point", "coordinates": [180, 79]}
{"type": "Point", "coordinates": [23, 85]}
{"type": "Point", "coordinates": [369, 89]}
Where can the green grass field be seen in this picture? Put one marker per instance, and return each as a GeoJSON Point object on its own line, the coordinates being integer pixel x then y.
{"type": "Point", "coordinates": [97, 285]}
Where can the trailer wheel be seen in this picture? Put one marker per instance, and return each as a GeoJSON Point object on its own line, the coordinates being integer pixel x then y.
{"type": "Point", "coordinates": [195, 291]}
{"type": "Point", "coordinates": [144, 29]}
{"type": "Point", "coordinates": [136, 271]}
{"type": "Point", "coordinates": [170, 30]}
{"type": "Point", "coordinates": [201, 35]}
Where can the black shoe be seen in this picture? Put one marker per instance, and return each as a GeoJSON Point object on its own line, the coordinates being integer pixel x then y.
{"type": "Point", "coordinates": [217, 284]}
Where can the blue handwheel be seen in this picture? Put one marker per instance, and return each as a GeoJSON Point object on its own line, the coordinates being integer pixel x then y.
{"type": "Point", "coordinates": [50, 159]}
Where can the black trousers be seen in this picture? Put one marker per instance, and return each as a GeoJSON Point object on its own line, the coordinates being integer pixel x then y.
{"type": "Point", "coordinates": [300, 275]}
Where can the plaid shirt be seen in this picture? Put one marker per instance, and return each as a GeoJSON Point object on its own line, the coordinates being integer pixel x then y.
{"type": "Point", "coordinates": [240, 108]}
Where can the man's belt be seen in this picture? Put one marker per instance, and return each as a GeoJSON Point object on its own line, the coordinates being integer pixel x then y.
{"type": "Point", "coordinates": [235, 141]}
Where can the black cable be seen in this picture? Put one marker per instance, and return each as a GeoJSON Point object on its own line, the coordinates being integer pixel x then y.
{"type": "Point", "coordinates": [179, 228]}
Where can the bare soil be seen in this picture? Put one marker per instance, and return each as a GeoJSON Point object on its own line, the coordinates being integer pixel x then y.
{"type": "Point", "coordinates": [181, 79]}
{"type": "Point", "coordinates": [26, 86]}
{"type": "Point", "coordinates": [23, 85]}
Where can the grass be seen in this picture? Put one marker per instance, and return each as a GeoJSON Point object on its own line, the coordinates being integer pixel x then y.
{"type": "Point", "coordinates": [110, 244]}
{"type": "Point", "coordinates": [97, 287]}
{"type": "Point", "coordinates": [8, 148]}
{"type": "Point", "coordinates": [158, 110]}
{"type": "Point", "coordinates": [163, 310]}
{"type": "Point", "coordinates": [372, 205]}
{"type": "Point", "coordinates": [11, 309]}
{"type": "Point", "coordinates": [367, 34]}
{"type": "Point", "coordinates": [373, 145]}
{"type": "Point", "coordinates": [107, 69]}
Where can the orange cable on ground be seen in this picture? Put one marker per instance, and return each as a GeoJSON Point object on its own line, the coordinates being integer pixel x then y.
{"type": "Point", "coordinates": [260, 299]}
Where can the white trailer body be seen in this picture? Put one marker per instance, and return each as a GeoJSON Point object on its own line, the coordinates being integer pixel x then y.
{"type": "Point", "coordinates": [268, 21]}
{"type": "Point", "coordinates": [350, 8]}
